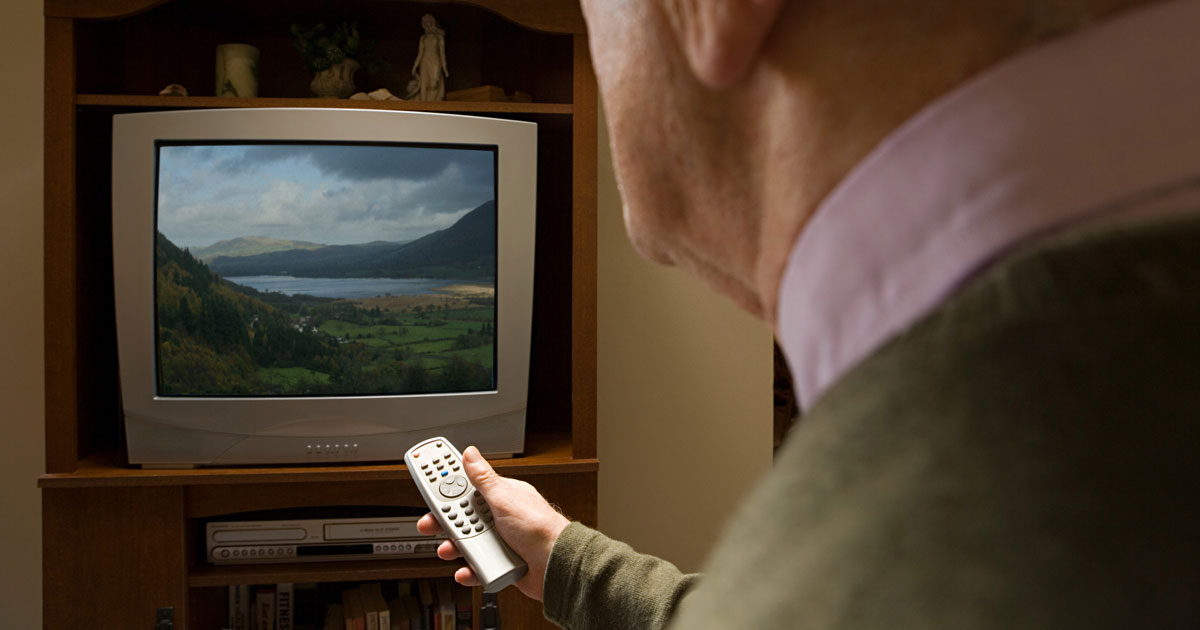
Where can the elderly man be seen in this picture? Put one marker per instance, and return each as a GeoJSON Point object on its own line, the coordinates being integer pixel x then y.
{"type": "Point", "coordinates": [974, 227]}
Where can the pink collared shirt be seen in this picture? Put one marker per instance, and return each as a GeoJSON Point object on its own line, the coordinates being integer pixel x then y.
{"type": "Point", "coordinates": [1101, 124]}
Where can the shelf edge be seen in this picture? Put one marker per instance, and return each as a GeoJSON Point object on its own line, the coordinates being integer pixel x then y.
{"type": "Point", "coordinates": [205, 102]}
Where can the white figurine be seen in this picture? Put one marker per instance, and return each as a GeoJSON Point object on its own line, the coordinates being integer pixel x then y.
{"type": "Point", "coordinates": [430, 65]}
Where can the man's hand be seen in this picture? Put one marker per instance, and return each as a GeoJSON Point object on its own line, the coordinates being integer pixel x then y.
{"type": "Point", "coordinates": [524, 520]}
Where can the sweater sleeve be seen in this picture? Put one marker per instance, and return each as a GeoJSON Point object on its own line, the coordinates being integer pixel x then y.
{"type": "Point", "coordinates": [593, 581]}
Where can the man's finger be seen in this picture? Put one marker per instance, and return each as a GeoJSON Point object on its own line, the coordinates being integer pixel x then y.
{"type": "Point", "coordinates": [447, 551]}
{"type": "Point", "coordinates": [480, 472]}
{"type": "Point", "coordinates": [466, 577]}
{"type": "Point", "coordinates": [429, 525]}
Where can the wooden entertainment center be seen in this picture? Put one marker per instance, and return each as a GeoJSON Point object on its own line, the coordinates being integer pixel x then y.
{"type": "Point", "coordinates": [121, 542]}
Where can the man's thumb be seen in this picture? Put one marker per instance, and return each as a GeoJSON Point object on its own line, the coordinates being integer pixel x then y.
{"type": "Point", "coordinates": [480, 472]}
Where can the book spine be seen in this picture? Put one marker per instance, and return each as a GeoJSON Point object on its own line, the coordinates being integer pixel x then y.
{"type": "Point", "coordinates": [239, 607]}
{"type": "Point", "coordinates": [264, 608]}
{"type": "Point", "coordinates": [284, 606]}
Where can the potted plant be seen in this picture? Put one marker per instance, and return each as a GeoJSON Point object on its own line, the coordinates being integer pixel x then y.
{"type": "Point", "coordinates": [333, 55]}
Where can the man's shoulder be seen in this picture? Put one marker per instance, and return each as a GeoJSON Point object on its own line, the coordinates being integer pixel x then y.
{"type": "Point", "coordinates": [1002, 463]}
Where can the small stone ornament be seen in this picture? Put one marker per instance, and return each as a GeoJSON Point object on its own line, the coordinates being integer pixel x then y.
{"type": "Point", "coordinates": [382, 94]}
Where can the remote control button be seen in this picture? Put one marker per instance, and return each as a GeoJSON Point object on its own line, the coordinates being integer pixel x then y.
{"type": "Point", "coordinates": [474, 519]}
{"type": "Point", "coordinates": [424, 466]}
{"type": "Point", "coordinates": [464, 503]}
{"type": "Point", "coordinates": [476, 494]}
{"type": "Point", "coordinates": [487, 518]}
{"type": "Point", "coordinates": [458, 523]}
{"type": "Point", "coordinates": [454, 468]}
{"type": "Point", "coordinates": [451, 516]}
{"type": "Point", "coordinates": [466, 530]}
{"type": "Point", "coordinates": [469, 511]}
{"type": "Point", "coordinates": [445, 508]}
{"type": "Point", "coordinates": [441, 466]}
{"type": "Point", "coordinates": [479, 527]}
{"type": "Point", "coordinates": [453, 487]}
{"type": "Point", "coordinates": [439, 445]}
{"type": "Point", "coordinates": [445, 472]}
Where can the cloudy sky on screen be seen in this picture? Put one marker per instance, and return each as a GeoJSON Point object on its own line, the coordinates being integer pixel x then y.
{"type": "Point", "coordinates": [330, 194]}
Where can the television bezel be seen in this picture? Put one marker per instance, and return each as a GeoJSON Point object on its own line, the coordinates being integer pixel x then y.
{"type": "Point", "coordinates": [264, 430]}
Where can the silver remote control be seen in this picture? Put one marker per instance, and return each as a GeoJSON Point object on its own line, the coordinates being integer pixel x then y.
{"type": "Point", "coordinates": [436, 468]}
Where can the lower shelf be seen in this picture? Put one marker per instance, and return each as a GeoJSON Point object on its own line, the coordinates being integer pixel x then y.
{"type": "Point", "coordinates": [364, 571]}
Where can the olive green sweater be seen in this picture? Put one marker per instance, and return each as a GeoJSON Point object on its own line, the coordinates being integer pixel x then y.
{"type": "Point", "coordinates": [1023, 457]}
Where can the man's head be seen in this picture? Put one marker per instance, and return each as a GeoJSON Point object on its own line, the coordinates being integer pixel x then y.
{"type": "Point", "coordinates": [730, 120]}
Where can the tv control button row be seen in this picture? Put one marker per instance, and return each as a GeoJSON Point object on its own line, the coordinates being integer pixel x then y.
{"type": "Point", "coordinates": [453, 487]}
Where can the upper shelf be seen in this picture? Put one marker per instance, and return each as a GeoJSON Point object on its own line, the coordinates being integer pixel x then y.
{"type": "Point", "coordinates": [173, 102]}
{"type": "Point", "coordinates": [551, 16]}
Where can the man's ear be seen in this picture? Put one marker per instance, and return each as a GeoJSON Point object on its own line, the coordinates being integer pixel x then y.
{"type": "Point", "coordinates": [721, 38]}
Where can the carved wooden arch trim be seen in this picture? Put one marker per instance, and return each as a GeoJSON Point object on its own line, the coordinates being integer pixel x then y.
{"type": "Point", "coordinates": [553, 16]}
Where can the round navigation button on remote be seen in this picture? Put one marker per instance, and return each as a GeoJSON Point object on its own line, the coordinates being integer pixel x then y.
{"type": "Point", "coordinates": [453, 487]}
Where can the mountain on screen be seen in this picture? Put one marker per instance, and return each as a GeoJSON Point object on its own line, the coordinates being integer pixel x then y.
{"type": "Point", "coordinates": [466, 249]}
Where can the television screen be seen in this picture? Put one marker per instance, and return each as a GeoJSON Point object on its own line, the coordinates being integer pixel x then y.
{"type": "Point", "coordinates": [324, 269]}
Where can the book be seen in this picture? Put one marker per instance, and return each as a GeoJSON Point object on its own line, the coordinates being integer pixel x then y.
{"type": "Point", "coordinates": [239, 607]}
{"type": "Point", "coordinates": [334, 618]}
{"type": "Point", "coordinates": [352, 612]}
{"type": "Point", "coordinates": [446, 607]}
{"type": "Point", "coordinates": [264, 607]}
{"type": "Point", "coordinates": [398, 611]}
{"type": "Point", "coordinates": [428, 614]}
{"type": "Point", "coordinates": [307, 607]}
{"type": "Point", "coordinates": [373, 602]}
{"type": "Point", "coordinates": [463, 607]}
{"type": "Point", "coordinates": [416, 613]}
{"type": "Point", "coordinates": [369, 612]}
{"type": "Point", "coordinates": [284, 606]}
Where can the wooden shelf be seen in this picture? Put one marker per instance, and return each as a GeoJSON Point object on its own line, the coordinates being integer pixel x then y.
{"type": "Point", "coordinates": [107, 57]}
{"type": "Point", "coordinates": [198, 102]}
{"type": "Point", "coordinates": [361, 571]}
{"type": "Point", "coordinates": [544, 455]}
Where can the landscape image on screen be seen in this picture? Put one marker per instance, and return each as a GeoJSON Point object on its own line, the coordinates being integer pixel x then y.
{"type": "Point", "coordinates": [325, 269]}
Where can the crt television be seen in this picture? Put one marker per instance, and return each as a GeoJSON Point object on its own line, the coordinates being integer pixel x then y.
{"type": "Point", "coordinates": [321, 285]}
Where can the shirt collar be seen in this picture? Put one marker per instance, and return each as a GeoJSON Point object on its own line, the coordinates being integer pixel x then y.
{"type": "Point", "coordinates": [1053, 136]}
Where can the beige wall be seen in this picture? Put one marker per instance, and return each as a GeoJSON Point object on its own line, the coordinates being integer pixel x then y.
{"type": "Point", "coordinates": [684, 378]}
{"type": "Point", "coordinates": [21, 312]}
{"type": "Point", "coordinates": [684, 386]}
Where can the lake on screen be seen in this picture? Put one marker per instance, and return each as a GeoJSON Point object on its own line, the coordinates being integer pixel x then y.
{"type": "Point", "coordinates": [341, 287]}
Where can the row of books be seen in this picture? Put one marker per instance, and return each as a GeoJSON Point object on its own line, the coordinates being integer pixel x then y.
{"type": "Point", "coordinates": [424, 604]}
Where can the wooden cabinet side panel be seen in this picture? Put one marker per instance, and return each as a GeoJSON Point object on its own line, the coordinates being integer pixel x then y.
{"type": "Point", "coordinates": [60, 234]}
{"type": "Point", "coordinates": [583, 263]}
{"type": "Point", "coordinates": [113, 556]}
